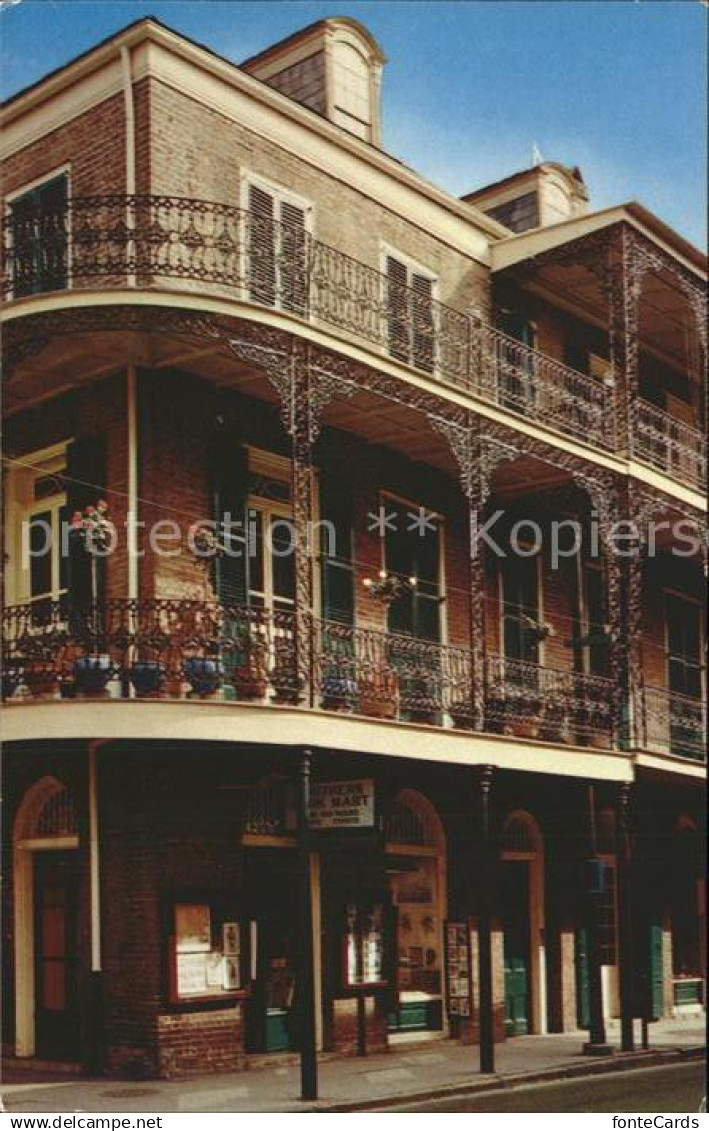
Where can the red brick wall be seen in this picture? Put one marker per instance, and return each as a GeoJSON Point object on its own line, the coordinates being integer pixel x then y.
{"type": "Point", "coordinates": [93, 144]}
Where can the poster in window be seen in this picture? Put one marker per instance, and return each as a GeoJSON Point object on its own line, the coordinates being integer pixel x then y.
{"type": "Point", "coordinates": [193, 928]}
{"type": "Point", "coordinates": [458, 969]}
{"type": "Point", "coordinates": [230, 973]}
{"type": "Point", "coordinates": [213, 962]}
{"type": "Point", "coordinates": [230, 940]}
{"type": "Point", "coordinates": [191, 974]}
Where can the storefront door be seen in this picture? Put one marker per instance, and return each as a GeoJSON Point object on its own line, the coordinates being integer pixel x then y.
{"type": "Point", "coordinates": [515, 894]}
{"type": "Point", "coordinates": [55, 906]}
{"type": "Point", "coordinates": [272, 887]}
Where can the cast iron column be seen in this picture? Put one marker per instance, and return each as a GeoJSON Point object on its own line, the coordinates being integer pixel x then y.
{"type": "Point", "coordinates": [306, 976]}
{"type": "Point", "coordinates": [302, 429]}
{"type": "Point", "coordinates": [485, 996]}
{"type": "Point", "coordinates": [625, 918]}
{"type": "Point", "coordinates": [594, 882]}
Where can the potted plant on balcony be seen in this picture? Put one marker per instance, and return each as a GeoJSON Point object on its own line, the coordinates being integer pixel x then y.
{"type": "Point", "coordinates": [379, 693]}
{"type": "Point", "coordinates": [338, 681]}
{"type": "Point", "coordinates": [95, 531]}
{"type": "Point", "coordinates": [147, 677]}
{"type": "Point", "coordinates": [204, 669]}
{"type": "Point", "coordinates": [461, 711]}
{"type": "Point", "coordinates": [249, 674]}
{"type": "Point", "coordinates": [286, 682]}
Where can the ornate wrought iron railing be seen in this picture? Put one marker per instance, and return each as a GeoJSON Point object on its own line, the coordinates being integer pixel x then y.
{"type": "Point", "coordinates": [163, 648]}
{"type": "Point", "coordinates": [673, 724]}
{"type": "Point", "coordinates": [671, 445]}
{"type": "Point", "coordinates": [548, 703]}
{"type": "Point", "coordinates": [149, 241]}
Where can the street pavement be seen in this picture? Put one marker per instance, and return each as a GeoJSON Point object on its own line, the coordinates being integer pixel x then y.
{"type": "Point", "coordinates": [668, 1089]}
{"type": "Point", "coordinates": [408, 1073]}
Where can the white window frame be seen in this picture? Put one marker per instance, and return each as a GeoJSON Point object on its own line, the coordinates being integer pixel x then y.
{"type": "Point", "coordinates": [538, 560]}
{"type": "Point", "coordinates": [669, 591]}
{"type": "Point", "coordinates": [60, 171]}
{"type": "Point", "coordinates": [412, 266]}
{"type": "Point", "coordinates": [281, 194]}
{"type": "Point", "coordinates": [385, 494]}
{"type": "Point", "coordinates": [32, 466]}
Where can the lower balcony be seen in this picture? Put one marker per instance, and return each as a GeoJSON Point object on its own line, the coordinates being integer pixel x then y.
{"type": "Point", "coordinates": [674, 724]}
{"type": "Point", "coordinates": [672, 446]}
{"type": "Point", "coordinates": [174, 649]}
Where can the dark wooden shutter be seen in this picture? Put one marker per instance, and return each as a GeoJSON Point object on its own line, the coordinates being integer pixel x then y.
{"type": "Point", "coordinates": [423, 325]}
{"type": "Point", "coordinates": [39, 238]}
{"type": "Point", "coordinates": [85, 485]}
{"type": "Point", "coordinates": [292, 259]}
{"type": "Point", "coordinates": [336, 508]}
{"type": "Point", "coordinates": [262, 247]}
{"type": "Point", "coordinates": [397, 308]}
{"type": "Point", "coordinates": [229, 487]}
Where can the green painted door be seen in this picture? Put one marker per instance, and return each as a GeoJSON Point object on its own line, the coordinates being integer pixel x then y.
{"type": "Point", "coordinates": [515, 889]}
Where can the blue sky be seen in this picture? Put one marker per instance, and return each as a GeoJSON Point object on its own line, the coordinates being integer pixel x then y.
{"type": "Point", "coordinates": [615, 86]}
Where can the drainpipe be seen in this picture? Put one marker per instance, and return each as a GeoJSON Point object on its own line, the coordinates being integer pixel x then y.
{"type": "Point", "coordinates": [129, 102]}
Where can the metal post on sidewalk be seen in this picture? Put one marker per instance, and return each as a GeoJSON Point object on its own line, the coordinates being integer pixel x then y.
{"type": "Point", "coordinates": [486, 1019]}
{"type": "Point", "coordinates": [626, 962]}
{"type": "Point", "coordinates": [306, 1010]}
{"type": "Point", "coordinates": [594, 884]}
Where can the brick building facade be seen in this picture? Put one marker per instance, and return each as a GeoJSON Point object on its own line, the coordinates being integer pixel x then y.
{"type": "Point", "coordinates": [225, 304]}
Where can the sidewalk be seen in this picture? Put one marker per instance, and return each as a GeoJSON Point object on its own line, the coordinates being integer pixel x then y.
{"type": "Point", "coordinates": [406, 1071]}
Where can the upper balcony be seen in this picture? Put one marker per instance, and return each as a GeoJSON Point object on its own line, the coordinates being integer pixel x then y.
{"type": "Point", "coordinates": [153, 242]}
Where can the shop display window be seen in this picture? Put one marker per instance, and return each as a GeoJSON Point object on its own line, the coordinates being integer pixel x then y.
{"type": "Point", "coordinates": [206, 951]}
{"type": "Point", "coordinates": [364, 942]}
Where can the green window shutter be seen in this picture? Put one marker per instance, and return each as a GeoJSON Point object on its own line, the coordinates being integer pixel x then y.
{"type": "Point", "coordinates": [336, 508]}
{"type": "Point", "coordinates": [229, 460]}
{"type": "Point", "coordinates": [85, 482]}
{"type": "Point", "coordinates": [583, 992]}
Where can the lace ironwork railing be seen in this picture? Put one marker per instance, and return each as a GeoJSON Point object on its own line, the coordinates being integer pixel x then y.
{"type": "Point", "coordinates": [674, 724]}
{"type": "Point", "coordinates": [149, 241]}
{"type": "Point", "coordinates": [162, 648]}
{"type": "Point", "coordinates": [391, 675]}
{"type": "Point", "coordinates": [673, 446]}
{"type": "Point", "coordinates": [547, 703]}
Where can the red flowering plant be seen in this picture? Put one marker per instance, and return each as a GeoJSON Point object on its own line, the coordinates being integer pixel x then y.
{"type": "Point", "coordinates": [94, 528]}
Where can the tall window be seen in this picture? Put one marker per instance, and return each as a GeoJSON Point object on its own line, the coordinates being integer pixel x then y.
{"type": "Point", "coordinates": [412, 550]}
{"type": "Point", "coordinates": [411, 332]}
{"type": "Point", "coordinates": [594, 619]}
{"type": "Point", "coordinates": [39, 238]}
{"type": "Point", "coordinates": [684, 648]}
{"type": "Point", "coordinates": [684, 673]}
{"type": "Point", "coordinates": [277, 269]}
{"type": "Point", "coordinates": [38, 498]}
{"type": "Point", "coordinates": [516, 365]}
{"type": "Point", "coordinates": [520, 607]}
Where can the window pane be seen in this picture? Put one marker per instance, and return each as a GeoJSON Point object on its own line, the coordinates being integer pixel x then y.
{"type": "Point", "coordinates": [40, 538]}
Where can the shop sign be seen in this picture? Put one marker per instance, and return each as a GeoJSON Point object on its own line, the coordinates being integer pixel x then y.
{"type": "Point", "coordinates": [342, 804]}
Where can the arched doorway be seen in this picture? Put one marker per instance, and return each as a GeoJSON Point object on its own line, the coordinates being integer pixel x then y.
{"type": "Point", "coordinates": [46, 891]}
{"type": "Point", "coordinates": [522, 912]}
{"type": "Point", "coordinates": [416, 870]}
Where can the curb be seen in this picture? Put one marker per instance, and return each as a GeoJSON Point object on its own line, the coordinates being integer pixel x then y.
{"type": "Point", "coordinates": [620, 1062]}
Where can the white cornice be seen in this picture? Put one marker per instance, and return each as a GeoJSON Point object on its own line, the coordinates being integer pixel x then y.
{"type": "Point", "coordinates": [223, 86]}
